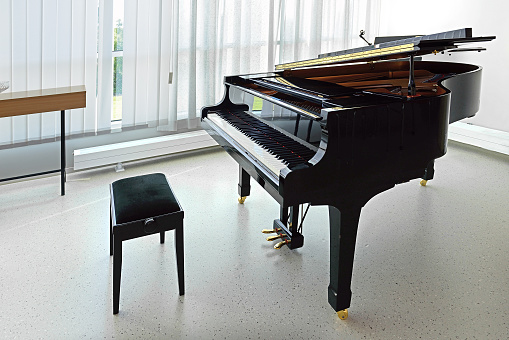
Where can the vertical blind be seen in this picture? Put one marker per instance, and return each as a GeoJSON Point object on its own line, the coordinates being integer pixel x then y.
{"type": "Point", "coordinates": [201, 41]}
{"type": "Point", "coordinates": [175, 53]}
{"type": "Point", "coordinates": [47, 44]}
{"type": "Point", "coordinates": [147, 51]}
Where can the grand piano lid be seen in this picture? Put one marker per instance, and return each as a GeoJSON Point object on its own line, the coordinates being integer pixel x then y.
{"type": "Point", "coordinates": [419, 45]}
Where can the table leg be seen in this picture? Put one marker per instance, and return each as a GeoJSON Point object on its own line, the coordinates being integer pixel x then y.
{"type": "Point", "coordinates": [62, 152]}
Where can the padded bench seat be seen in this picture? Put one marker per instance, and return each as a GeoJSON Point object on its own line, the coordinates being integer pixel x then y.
{"type": "Point", "coordinates": [141, 206]}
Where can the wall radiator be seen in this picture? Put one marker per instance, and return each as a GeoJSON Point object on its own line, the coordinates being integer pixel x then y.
{"type": "Point", "coordinates": [140, 149]}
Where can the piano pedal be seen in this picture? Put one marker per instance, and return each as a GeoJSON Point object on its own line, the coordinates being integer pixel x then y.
{"type": "Point", "coordinates": [423, 182]}
{"type": "Point", "coordinates": [281, 244]}
{"type": "Point", "coordinates": [275, 237]}
{"type": "Point", "coordinates": [293, 239]}
{"type": "Point", "coordinates": [242, 199]}
{"type": "Point", "coordinates": [271, 231]}
{"type": "Point", "coordinates": [343, 314]}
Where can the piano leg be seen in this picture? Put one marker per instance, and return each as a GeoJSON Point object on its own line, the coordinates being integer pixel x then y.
{"type": "Point", "coordinates": [294, 218]}
{"type": "Point", "coordinates": [244, 186]}
{"type": "Point", "coordinates": [283, 215]}
{"type": "Point", "coordinates": [290, 219]}
{"type": "Point", "coordinates": [343, 233]}
{"type": "Point", "coordinates": [428, 173]}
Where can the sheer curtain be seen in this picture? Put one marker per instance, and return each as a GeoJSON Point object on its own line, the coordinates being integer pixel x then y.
{"type": "Point", "coordinates": [47, 44]}
{"type": "Point", "coordinates": [176, 53]}
{"type": "Point", "coordinates": [197, 42]}
{"type": "Point", "coordinates": [309, 28]}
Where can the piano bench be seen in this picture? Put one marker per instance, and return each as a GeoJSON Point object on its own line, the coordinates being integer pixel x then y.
{"type": "Point", "coordinates": [140, 206]}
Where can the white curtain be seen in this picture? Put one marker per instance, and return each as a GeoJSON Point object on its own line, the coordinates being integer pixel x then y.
{"type": "Point", "coordinates": [146, 64]}
{"type": "Point", "coordinates": [201, 41]}
{"type": "Point", "coordinates": [195, 43]}
{"type": "Point", "coordinates": [309, 28]}
{"type": "Point", "coordinates": [48, 44]}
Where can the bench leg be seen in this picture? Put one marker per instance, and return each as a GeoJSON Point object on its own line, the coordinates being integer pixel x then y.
{"type": "Point", "coordinates": [179, 244]}
{"type": "Point", "coordinates": [161, 237]}
{"type": "Point", "coordinates": [117, 268]}
{"type": "Point", "coordinates": [111, 234]}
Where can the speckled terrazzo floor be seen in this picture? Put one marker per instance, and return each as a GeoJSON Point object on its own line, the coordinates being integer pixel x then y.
{"type": "Point", "coordinates": [431, 262]}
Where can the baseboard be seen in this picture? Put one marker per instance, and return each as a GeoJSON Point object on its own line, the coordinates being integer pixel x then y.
{"type": "Point", "coordinates": [489, 139]}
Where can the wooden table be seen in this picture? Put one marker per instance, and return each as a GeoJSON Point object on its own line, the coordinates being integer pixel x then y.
{"type": "Point", "coordinates": [45, 100]}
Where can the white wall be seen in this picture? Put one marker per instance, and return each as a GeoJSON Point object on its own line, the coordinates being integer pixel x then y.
{"type": "Point", "coordinates": [488, 17]}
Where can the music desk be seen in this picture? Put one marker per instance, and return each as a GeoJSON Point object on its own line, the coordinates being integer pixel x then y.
{"type": "Point", "coordinates": [45, 100]}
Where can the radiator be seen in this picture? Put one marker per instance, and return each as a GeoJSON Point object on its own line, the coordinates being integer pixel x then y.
{"type": "Point", "coordinates": [140, 149]}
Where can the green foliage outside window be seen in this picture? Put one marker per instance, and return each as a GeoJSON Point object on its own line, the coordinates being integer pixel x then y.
{"type": "Point", "coordinates": [118, 45]}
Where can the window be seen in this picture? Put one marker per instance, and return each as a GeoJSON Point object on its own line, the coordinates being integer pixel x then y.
{"type": "Point", "coordinates": [118, 47]}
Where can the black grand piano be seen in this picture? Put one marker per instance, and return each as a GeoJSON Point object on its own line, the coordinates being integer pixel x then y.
{"type": "Point", "coordinates": [339, 129]}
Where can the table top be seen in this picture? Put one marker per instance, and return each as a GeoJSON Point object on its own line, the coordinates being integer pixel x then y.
{"type": "Point", "coordinates": [43, 100]}
{"type": "Point", "coordinates": [42, 92]}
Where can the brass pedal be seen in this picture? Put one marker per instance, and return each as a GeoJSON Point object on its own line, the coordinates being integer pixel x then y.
{"type": "Point", "coordinates": [281, 244]}
{"type": "Point", "coordinates": [274, 237]}
{"type": "Point", "coordinates": [271, 231]}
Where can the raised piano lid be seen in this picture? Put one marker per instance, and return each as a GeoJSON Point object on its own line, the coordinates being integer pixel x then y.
{"type": "Point", "coordinates": [419, 45]}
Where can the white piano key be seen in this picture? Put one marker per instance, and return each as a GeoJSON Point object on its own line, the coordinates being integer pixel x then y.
{"type": "Point", "coordinates": [254, 149]}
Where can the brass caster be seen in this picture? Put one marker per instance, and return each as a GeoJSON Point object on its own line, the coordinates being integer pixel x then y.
{"type": "Point", "coordinates": [242, 199]}
{"type": "Point", "coordinates": [343, 314]}
{"type": "Point", "coordinates": [423, 182]}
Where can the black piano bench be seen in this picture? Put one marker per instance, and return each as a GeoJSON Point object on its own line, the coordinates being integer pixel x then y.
{"type": "Point", "coordinates": [140, 206]}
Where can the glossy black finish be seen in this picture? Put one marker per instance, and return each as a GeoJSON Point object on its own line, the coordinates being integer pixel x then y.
{"type": "Point", "coordinates": [287, 234]}
{"type": "Point", "coordinates": [415, 45]}
{"type": "Point", "coordinates": [411, 80]}
{"type": "Point", "coordinates": [285, 148]}
{"type": "Point", "coordinates": [342, 224]}
{"type": "Point", "coordinates": [466, 89]}
{"type": "Point", "coordinates": [368, 150]}
{"type": "Point", "coordinates": [369, 142]}
{"type": "Point", "coordinates": [62, 153]}
{"type": "Point", "coordinates": [119, 232]}
{"type": "Point", "coordinates": [258, 174]}
{"type": "Point", "coordinates": [244, 186]}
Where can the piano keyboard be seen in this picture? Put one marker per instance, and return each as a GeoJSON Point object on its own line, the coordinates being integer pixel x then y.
{"type": "Point", "coordinates": [267, 145]}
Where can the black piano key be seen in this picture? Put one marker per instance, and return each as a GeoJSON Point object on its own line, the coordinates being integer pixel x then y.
{"type": "Point", "coordinates": [275, 142]}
